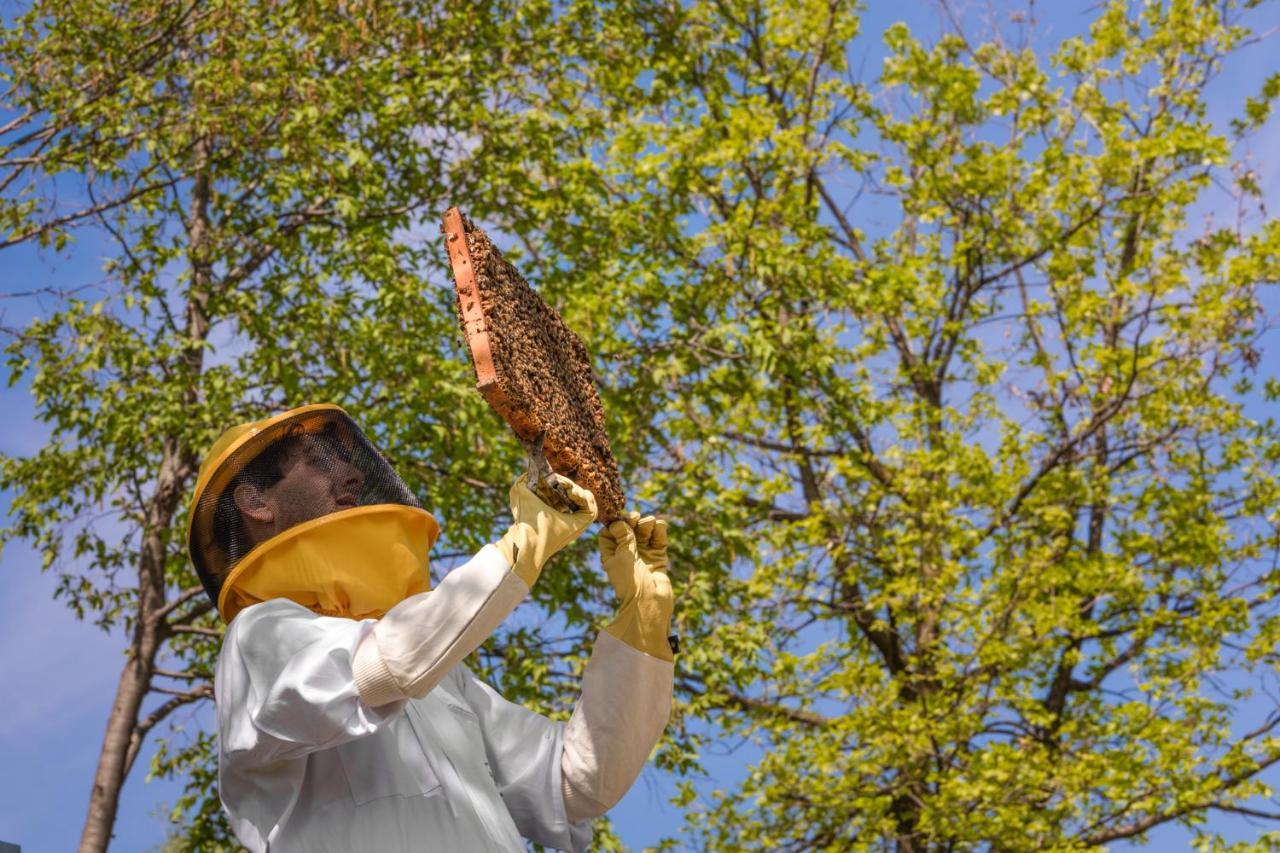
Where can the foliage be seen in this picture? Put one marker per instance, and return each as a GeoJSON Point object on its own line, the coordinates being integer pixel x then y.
{"type": "Point", "coordinates": [975, 502]}
{"type": "Point", "coordinates": [264, 174]}
{"type": "Point", "coordinates": [954, 410]}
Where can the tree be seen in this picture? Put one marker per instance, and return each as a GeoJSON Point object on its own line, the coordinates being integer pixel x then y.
{"type": "Point", "coordinates": [953, 409]}
{"type": "Point", "coordinates": [957, 413]}
{"type": "Point", "coordinates": [263, 171]}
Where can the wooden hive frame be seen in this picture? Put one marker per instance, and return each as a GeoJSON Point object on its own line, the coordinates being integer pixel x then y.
{"type": "Point", "coordinates": [544, 430]}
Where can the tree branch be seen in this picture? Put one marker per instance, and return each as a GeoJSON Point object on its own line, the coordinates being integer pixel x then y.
{"type": "Point", "coordinates": [142, 727]}
{"type": "Point", "coordinates": [752, 704]}
{"type": "Point", "coordinates": [195, 629]}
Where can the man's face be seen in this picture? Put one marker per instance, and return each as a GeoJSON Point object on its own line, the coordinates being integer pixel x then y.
{"type": "Point", "coordinates": [316, 481]}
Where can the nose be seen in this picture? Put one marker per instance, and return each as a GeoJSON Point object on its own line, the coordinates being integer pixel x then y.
{"type": "Point", "coordinates": [348, 477]}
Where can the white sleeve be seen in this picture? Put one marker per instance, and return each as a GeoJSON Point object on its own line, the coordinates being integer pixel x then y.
{"type": "Point", "coordinates": [417, 642]}
{"type": "Point", "coordinates": [285, 687]}
{"type": "Point", "coordinates": [624, 707]}
{"type": "Point", "coordinates": [523, 750]}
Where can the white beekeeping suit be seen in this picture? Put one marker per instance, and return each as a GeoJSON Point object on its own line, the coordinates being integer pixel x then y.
{"type": "Point", "coordinates": [346, 719]}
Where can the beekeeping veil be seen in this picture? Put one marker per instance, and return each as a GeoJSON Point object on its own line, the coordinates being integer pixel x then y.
{"type": "Point", "coordinates": [301, 506]}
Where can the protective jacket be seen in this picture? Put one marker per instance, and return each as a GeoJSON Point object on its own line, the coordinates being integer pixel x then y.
{"type": "Point", "coordinates": [313, 759]}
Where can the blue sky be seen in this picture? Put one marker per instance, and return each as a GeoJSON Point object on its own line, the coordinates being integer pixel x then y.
{"type": "Point", "coordinates": [58, 675]}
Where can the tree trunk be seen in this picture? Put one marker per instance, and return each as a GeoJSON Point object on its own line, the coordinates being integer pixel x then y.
{"type": "Point", "coordinates": [151, 628]}
{"type": "Point", "coordinates": [149, 633]}
{"type": "Point", "coordinates": [135, 681]}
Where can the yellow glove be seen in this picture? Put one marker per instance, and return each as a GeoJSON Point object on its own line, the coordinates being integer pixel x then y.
{"type": "Point", "coordinates": [539, 531]}
{"type": "Point", "coordinates": [634, 555]}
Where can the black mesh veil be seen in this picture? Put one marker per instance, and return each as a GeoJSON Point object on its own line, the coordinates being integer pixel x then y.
{"type": "Point", "coordinates": [278, 474]}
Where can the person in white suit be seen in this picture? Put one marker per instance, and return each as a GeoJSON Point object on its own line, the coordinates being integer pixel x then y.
{"type": "Point", "coordinates": [346, 718]}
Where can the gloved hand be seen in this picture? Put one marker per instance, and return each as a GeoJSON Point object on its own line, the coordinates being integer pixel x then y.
{"type": "Point", "coordinates": [634, 555]}
{"type": "Point", "coordinates": [539, 531]}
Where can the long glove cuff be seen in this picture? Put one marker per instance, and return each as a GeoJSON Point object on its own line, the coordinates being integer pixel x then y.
{"type": "Point", "coordinates": [518, 546]}
{"type": "Point", "coordinates": [643, 626]}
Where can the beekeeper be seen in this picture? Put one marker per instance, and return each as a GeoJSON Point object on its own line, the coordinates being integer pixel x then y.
{"type": "Point", "coordinates": [346, 718]}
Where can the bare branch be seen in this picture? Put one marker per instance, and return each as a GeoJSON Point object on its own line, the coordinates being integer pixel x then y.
{"type": "Point", "coordinates": [750, 703]}
{"type": "Point", "coordinates": [181, 599]}
{"type": "Point", "coordinates": [195, 629]}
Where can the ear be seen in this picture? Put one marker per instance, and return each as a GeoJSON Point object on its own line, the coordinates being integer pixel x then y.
{"type": "Point", "coordinates": [249, 501]}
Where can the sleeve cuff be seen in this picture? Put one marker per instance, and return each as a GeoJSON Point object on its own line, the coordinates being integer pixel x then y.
{"type": "Point", "coordinates": [374, 681]}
